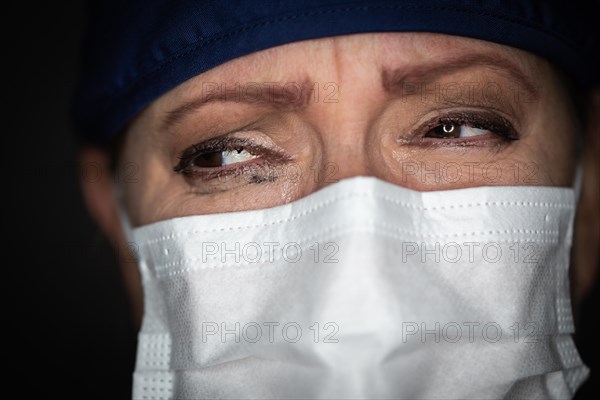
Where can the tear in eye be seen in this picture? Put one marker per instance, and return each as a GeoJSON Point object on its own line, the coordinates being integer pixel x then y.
{"type": "Point", "coordinates": [455, 131]}
{"type": "Point", "coordinates": [218, 159]}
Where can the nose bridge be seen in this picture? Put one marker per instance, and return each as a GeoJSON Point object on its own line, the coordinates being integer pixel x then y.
{"type": "Point", "coordinates": [346, 137]}
{"type": "Point", "coordinates": [344, 155]}
{"type": "Point", "coordinates": [344, 120]}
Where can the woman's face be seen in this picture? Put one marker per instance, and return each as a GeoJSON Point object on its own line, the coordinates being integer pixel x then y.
{"type": "Point", "coordinates": [424, 111]}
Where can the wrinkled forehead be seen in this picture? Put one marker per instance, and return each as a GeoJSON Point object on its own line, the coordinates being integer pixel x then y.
{"type": "Point", "coordinates": [138, 51]}
{"type": "Point", "coordinates": [407, 54]}
{"type": "Point", "coordinates": [377, 64]}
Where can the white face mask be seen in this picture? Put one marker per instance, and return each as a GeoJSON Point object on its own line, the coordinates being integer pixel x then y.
{"type": "Point", "coordinates": [363, 289]}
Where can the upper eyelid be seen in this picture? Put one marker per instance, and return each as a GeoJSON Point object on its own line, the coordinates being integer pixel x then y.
{"type": "Point", "coordinates": [458, 121]}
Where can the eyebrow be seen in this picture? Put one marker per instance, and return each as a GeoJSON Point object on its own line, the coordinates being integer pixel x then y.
{"type": "Point", "coordinates": [397, 80]}
{"type": "Point", "coordinates": [393, 81]}
{"type": "Point", "coordinates": [290, 95]}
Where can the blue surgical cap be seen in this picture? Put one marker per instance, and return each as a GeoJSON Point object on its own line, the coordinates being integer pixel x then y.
{"type": "Point", "coordinates": [138, 50]}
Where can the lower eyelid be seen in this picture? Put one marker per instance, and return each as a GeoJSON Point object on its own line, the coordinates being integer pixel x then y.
{"type": "Point", "coordinates": [482, 141]}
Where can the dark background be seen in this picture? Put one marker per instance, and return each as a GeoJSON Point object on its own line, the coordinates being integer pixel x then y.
{"type": "Point", "coordinates": [71, 336]}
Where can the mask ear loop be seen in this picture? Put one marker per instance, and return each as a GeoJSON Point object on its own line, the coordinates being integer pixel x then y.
{"type": "Point", "coordinates": [578, 180]}
{"type": "Point", "coordinates": [578, 170]}
{"type": "Point", "coordinates": [123, 216]}
{"type": "Point", "coordinates": [577, 183]}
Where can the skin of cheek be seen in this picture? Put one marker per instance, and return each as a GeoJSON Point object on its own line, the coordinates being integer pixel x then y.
{"type": "Point", "coordinates": [452, 168]}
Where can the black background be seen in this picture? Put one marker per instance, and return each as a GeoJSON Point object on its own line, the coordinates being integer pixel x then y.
{"type": "Point", "coordinates": [71, 335]}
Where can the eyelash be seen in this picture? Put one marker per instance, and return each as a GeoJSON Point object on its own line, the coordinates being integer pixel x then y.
{"type": "Point", "coordinates": [265, 157]}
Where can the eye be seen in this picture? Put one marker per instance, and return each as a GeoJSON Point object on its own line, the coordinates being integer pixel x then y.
{"type": "Point", "coordinates": [223, 158]}
{"type": "Point", "coordinates": [219, 157]}
{"type": "Point", "coordinates": [452, 131]}
{"type": "Point", "coordinates": [470, 125]}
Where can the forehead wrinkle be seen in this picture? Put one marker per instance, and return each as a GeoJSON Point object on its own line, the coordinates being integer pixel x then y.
{"type": "Point", "coordinates": [266, 68]}
{"type": "Point", "coordinates": [289, 95]}
{"type": "Point", "coordinates": [395, 79]}
{"type": "Point", "coordinates": [269, 65]}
